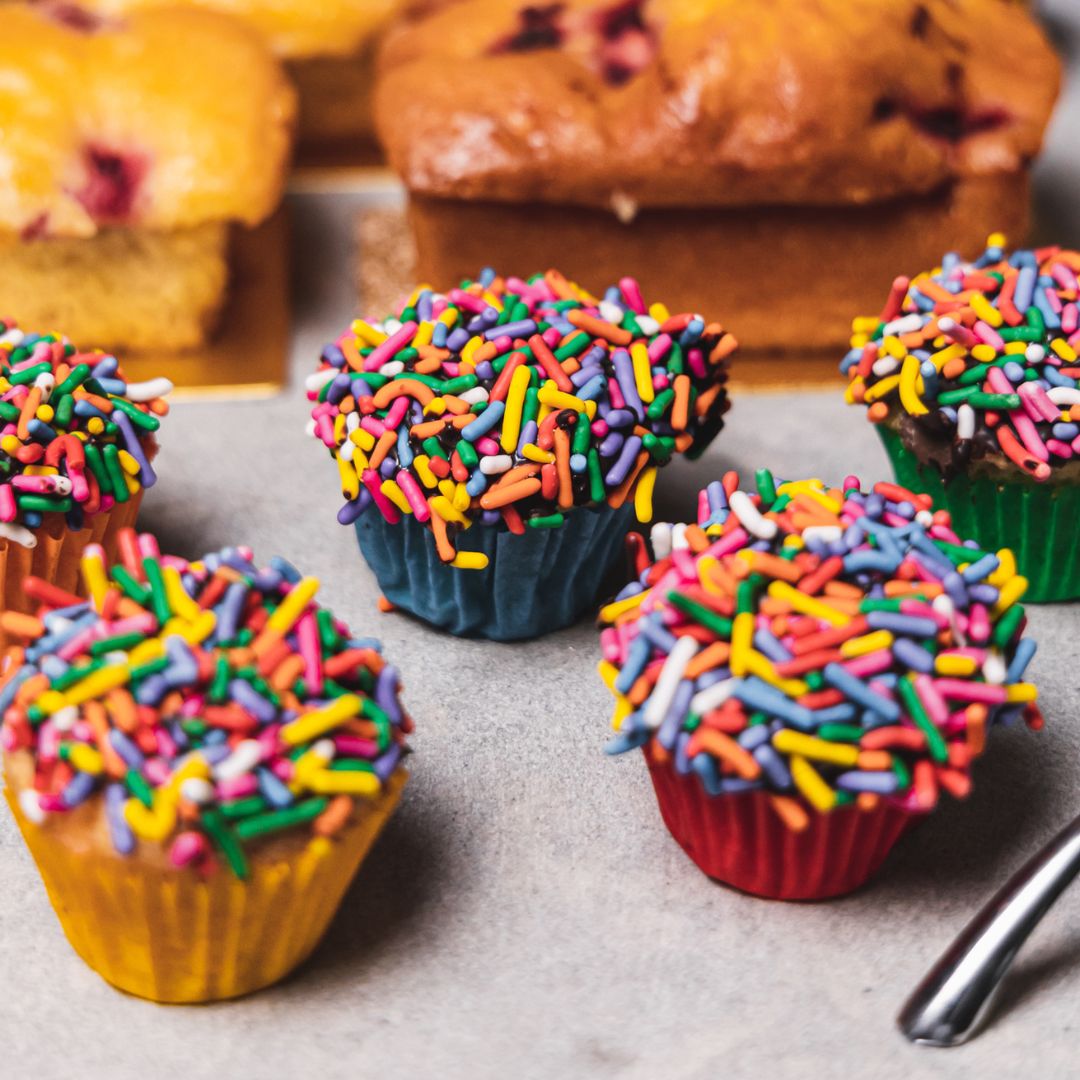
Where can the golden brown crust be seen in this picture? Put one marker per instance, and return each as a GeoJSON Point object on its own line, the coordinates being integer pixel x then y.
{"type": "Point", "coordinates": [712, 102]}
{"type": "Point", "coordinates": [167, 120]}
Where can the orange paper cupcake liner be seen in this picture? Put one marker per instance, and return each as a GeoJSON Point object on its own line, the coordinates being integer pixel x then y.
{"type": "Point", "coordinates": [740, 840]}
{"type": "Point", "coordinates": [56, 556]}
{"type": "Point", "coordinates": [170, 935]}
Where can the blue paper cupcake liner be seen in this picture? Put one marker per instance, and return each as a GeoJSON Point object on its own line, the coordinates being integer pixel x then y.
{"type": "Point", "coordinates": [533, 584]}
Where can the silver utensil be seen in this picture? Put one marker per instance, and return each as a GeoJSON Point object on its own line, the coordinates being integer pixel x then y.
{"type": "Point", "coordinates": [954, 998]}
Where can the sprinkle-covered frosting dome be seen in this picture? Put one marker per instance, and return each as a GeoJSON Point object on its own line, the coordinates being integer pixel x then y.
{"type": "Point", "coordinates": [77, 438]}
{"type": "Point", "coordinates": [827, 646]}
{"type": "Point", "coordinates": [205, 704]}
{"type": "Point", "coordinates": [510, 403]}
{"type": "Point", "coordinates": [978, 360]}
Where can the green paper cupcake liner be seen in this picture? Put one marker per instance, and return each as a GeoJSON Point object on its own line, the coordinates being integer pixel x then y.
{"type": "Point", "coordinates": [1037, 521]}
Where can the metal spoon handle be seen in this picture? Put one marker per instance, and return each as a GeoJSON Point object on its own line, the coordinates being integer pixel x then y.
{"type": "Point", "coordinates": [948, 1005]}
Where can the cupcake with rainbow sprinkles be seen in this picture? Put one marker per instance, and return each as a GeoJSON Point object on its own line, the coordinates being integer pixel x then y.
{"type": "Point", "coordinates": [494, 443]}
{"type": "Point", "coordinates": [808, 670]}
{"type": "Point", "coordinates": [971, 374]}
{"type": "Point", "coordinates": [199, 758]}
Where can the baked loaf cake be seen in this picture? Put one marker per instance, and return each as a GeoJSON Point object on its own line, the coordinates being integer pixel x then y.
{"type": "Point", "coordinates": [130, 147]}
{"type": "Point", "coordinates": [701, 146]}
{"type": "Point", "coordinates": [328, 48]}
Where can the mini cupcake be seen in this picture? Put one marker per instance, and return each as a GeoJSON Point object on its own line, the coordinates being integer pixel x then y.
{"type": "Point", "coordinates": [199, 758]}
{"type": "Point", "coordinates": [971, 375]}
{"type": "Point", "coordinates": [75, 457]}
{"type": "Point", "coordinates": [495, 443]}
{"type": "Point", "coordinates": [806, 670]}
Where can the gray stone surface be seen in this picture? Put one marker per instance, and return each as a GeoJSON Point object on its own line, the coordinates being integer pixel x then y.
{"type": "Point", "coordinates": [526, 913]}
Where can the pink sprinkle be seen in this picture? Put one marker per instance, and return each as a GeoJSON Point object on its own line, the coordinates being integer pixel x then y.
{"type": "Point", "coordinates": [659, 348]}
{"type": "Point", "coordinates": [395, 342]}
{"type": "Point", "coordinates": [931, 697]}
{"type": "Point", "coordinates": [354, 745]}
{"type": "Point", "coordinates": [487, 446]}
{"type": "Point", "coordinates": [963, 690]}
{"type": "Point", "coordinates": [239, 787]}
{"type": "Point", "coordinates": [736, 539]}
{"type": "Point", "coordinates": [373, 482]}
{"type": "Point", "coordinates": [873, 663]}
{"type": "Point", "coordinates": [1058, 448]}
{"type": "Point", "coordinates": [396, 413]}
{"type": "Point", "coordinates": [702, 508]}
{"type": "Point", "coordinates": [696, 359]}
{"type": "Point", "coordinates": [632, 295]}
{"type": "Point", "coordinates": [187, 848]}
{"type": "Point", "coordinates": [373, 426]}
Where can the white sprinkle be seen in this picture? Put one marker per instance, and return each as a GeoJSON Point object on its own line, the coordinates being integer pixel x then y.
{"type": "Point", "coordinates": [750, 517]}
{"type": "Point", "coordinates": [994, 669]}
{"type": "Point", "coordinates": [671, 674]}
{"type": "Point", "coordinates": [905, 325]}
{"type": "Point", "coordinates": [46, 383]}
{"type": "Point", "coordinates": [324, 749]}
{"type": "Point", "coordinates": [197, 790]}
{"type": "Point", "coordinates": [477, 393]}
{"type": "Point", "coordinates": [309, 428]}
{"type": "Point", "coordinates": [18, 535]}
{"type": "Point", "coordinates": [392, 368]}
{"type": "Point", "coordinates": [826, 534]}
{"type": "Point", "coordinates": [648, 325]}
{"type": "Point", "coordinates": [1063, 395]}
{"type": "Point", "coordinates": [390, 327]}
{"type": "Point", "coordinates": [712, 697]}
{"type": "Point", "coordinates": [155, 388]}
{"type": "Point", "coordinates": [65, 719]}
{"type": "Point", "coordinates": [660, 539]}
{"type": "Point", "coordinates": [352, 422]}
{"type": "Point", "coordinates": [243, 759]}
{"type": "Point", "coordinates": [1035, 353]}
{"type": "Point", "coordinates": [678, 537]}
{"type": "Point", "coordinates": [624, 207]}
{"type": "Point", "coordinates": [347, 448]}
{"type": "Point", "coordinates": [885, 366]}
{"type": "Point", "coordinates": [30, 805]}
{"type": "Point", "coordinates": [610, 312]}
{"type": "Point", "coordinates": [965, 421]}
{"type": "Point", "coordinates": [925, 518]}
{"type": "Point", "coordinates": [13, 336]}
{"type": "Point", "coordinates": [318, 379]}
{"type": "Point", "coordinates": [497, 463]}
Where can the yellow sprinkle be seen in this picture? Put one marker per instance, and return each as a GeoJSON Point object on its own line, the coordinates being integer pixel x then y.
{"type": "Point", "coordinates": [447, 488]}
{"type": "Point", "coordinates": [423, 335]}
{"type": "Point", "coordinates": [761, 666]}
{"type": "Point", "coordinates": [153, 824]}
{"type": "Point", "coordinates": [960, 666]}
{"type": "Point", "coordinates": [94, 577]}
{"type": "Point", "coordinates": [515, 403]}
{"type": "Point", "coordinates": [1006, 568]}
{"type": "Point", "coordinates": [436, 406]}
{"type": "Point", "coordinates": [146, 651]}
{"type": "Point", "coordinates": [705, 565]}
{"type": "Point", "coordinates": [198, 630]}
{"type": "Point", "coordinates": [391, 490]}
{"type": "Point", "coordinates": [350, 482]}
{"type": "Point", "coordinates": [1015, 348]}
{"type": "Point", "coordinates": [809, 746]}
{"type": "Point", "coordinates": [95, 425]}
{"type": "Point", "coordinates": [909, 397]}
{"type": "Point", "coordinates": [132, 484]}
{"type": "Point", "coordinates": [811, 786]}
{"type": "Point", "coordinates": [327, 782]}
{"type": "Point", "coordinates": [983, 353]}
{"type": "Point", "coordinates": [128, 463]}
{"type": "Point", "coordinates": [868, 643]}
{"type": "Point", "coordinates": [490, 298]}
{"type": "Point", "coordinates": [858, 341]}
{"type": "Point", "coordinates": [446, 509]}
{"type": "Point", "coordinates": [363, 439]}
{"type": "Point", "coordinates": [470, 560]}
{"type": "Point", "coordinates": [880, 389]}
{"type": "Point", "coordinates": [448, 317]}
{"type": "Point", "coordinates": [985, 310]}
{"type": "Point", "coordinates": [950, 352]}
{"type": "Point", "coordinates": [643, 506]}
{"type": "Point", "coordinates": [642, 372]}
{"type": "Point", "coordinates": [553, 397]}
{"type": "Point", "coordinates": [179, 601]}
{"type": "Point", "coordinates": [659, 312]}
{"type": "Point", "coordinates": [742, 635]}
{"type": "Point", "coordinates": [807, 605]}
{"type": "Point", "coordinates": [292, 607]}
{"type": "Point", "coordinates": [864, 324]}
{"type": "Point", "coordinates": [813, 489]}
{"type": "Point", "coordinates": [319, 721]}
{"type": "Point", "coordinates": [194, 768]}
{"type": "Point", "coordinates": [623, 709]}
{"type": "Point", "coordinates": [1062, 348]}
{"type": "Point", "coordinates": [366, 334]}
{"type": "Point", "coordinates": [1020, 692]}
{"type": "Point", "coordinates": [339, 428]}
{"type": "Point", "coordinates": [532, 452]}
{"type": "Point", "coordinates": [470, 347]}
{"type": "Point", "coordinates": [97, 684]}
{"type": "Point", "coordinates": [51, 701]}
{"type": "Point", "coordinates": [894, 347]}
{"type": "Point", "coordinates": [461, 498]}
{"type": "Point", "coordinates": [45, 413]}
{"type": "Point", "coordinates": [997, 240]}
{"type": "Point", "coordinates": [1010, 592]}
{"type": "Point", "coordinates": [84, 758]}
{"type": "Point", "coordinates": [423, 470]}
{"type": "Point", "coordinates": [610, 612]}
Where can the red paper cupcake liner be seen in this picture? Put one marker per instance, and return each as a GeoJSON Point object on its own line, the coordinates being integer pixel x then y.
{"type": "Point", "coordinates": [741, 841]}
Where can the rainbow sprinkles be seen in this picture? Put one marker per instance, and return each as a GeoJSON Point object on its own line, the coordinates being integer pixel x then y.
{"type": "Point", "coordinates": [827, 646]}
{"type": "Point", "coordinates": [511, 402]}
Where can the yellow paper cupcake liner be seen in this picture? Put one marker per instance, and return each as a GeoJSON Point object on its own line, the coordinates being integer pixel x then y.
{"type": "Point", "coordinates": [172, 936]}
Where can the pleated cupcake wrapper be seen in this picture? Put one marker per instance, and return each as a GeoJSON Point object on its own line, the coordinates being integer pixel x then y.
{"type": "Point", "coordinates": [56, 556]}
{"type": "Point", "coordinates": [534, 584]}
{"type": "Point", "coordinates": [740, 839]}
{"type": "Point", "coordinates": [1037, 521]}
{"type": "Point", "coordinates": [170, 935]}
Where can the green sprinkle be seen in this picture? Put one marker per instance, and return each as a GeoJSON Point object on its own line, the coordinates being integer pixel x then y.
{"type": "Point", "coordinates": [116, 473]}
{"type": "Point", "coordinates": [135, 782]}
{"type": "Point", "coordinates": [118, 642]}
{"type": "Point", "coordinates": [281, 819]}
{"type": "Point", "coordinates": [546, 521]}
{"type": "Point", "coordinates": [240, 808]}
{"type": "Point", "coordinates": [1008, 625]}
{"type": "Point", "coordinates": [766, 487]}
{"type": "Point", "coordinates": [218, 829]}
{"type": "Point", "coordinates": [935, 744]}
{"type": "Point", "coordinates": [131, 588]}
{"type": "Point", "coordinates": [708, 618]}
